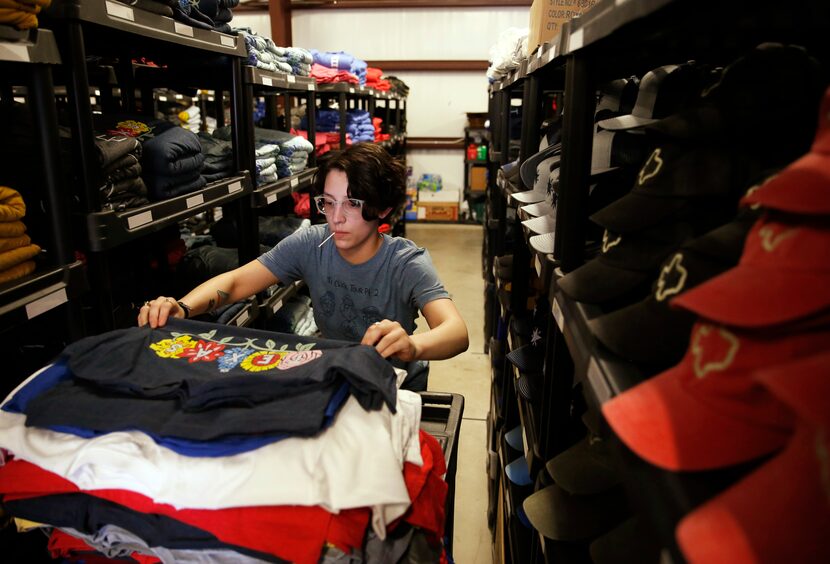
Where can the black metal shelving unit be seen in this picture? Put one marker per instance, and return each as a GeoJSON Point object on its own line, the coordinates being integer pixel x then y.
{"type": "Point", "coordinates": [614, 39]}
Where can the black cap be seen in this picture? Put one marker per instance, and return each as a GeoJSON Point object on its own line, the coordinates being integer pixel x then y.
{"type": "Point", "coordinates": [631, 542]}
{"type": "Point", "coordinates": [662, 92]}
{"type": "Point", "coordinates": [616, 98]}
{"type": "Point", "coordinates": [558, 515]}
{"type": "Point", "coordinates": [588, 467]}
{"type": "Point", "coordinates": [662, 332]}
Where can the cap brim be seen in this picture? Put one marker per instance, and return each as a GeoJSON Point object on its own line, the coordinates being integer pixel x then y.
{"type": "Point", "coordinates": [665, 425]}
{"type": "Point", "coordinates": [538, 209]}
{"type": "Point", "coordinates": [647, 333]}
{"type": "Point", "coordinates": [776, 514]}
{"type": "Point", "coordinates": [527, 358]}
{"type": "Point", "coordinates": [541, 224]}
{"type": "Point", "coordinates": [528, 197]}
{"type": "Point", "coordinates": [621, 123]}
{"type": "Point", "coordinates": [514, 438]}
{"type": "Point", "coordinates": [595, 282]}
{"type": "Point", "coordinates": [526, 387]}
{"type": "Point", "coordinates": [753, 297]}
{"type": "Point", "coordinates": [801, 188]}
{"type": "Point", "coordinates": [518, 473]}
{"type": "Point", "coordinates": [543, 243]}
{"type": "Point", "coordinates": [588, 467]}
{"type": "Point", "coordinates": [531, 165]}
{"type": "Point", "coordinates": [558, 515]}
{"type": "Point", "coordinates": [635, 212]}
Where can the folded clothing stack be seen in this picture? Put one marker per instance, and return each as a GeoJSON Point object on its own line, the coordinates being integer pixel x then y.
{"type": "Point", "coordinates": [266, 155]}
{"type": "Point", "coordinates": [293, 150]}
{"type": "Point", "coordinates": [21, 14]}
{"type": "Point", "coordinates": [326, 75]}
{"type": "Point", "coordinates": [191, 118]}
{"type": "Point", "coordinates": [397, 86]}
{"type": "Point", "coordinates": [342, 61]}
{"type": "Point", "coordinates": [218, 157]}
{"type": "Point", "coordinates": [172, 163]}
{"type": "Point", "coordinates": [272, 230]}
{"type": "Point", "coordinates": [359, 125]}
{"type": "Point", "coordinates": [374, 79]}
{"type": "Point", "coordinates": [263, 53]}
{"type": "Point", "coordinates": [325, 120]}
{"type": "Point", "coordinates": [379, 135]}
{"type": "Point", "coordinates": [120, 159]}
{"type": "Point", "coordinates": [212, 15]}
{"type": "Point", "coordinates": [16, 248]}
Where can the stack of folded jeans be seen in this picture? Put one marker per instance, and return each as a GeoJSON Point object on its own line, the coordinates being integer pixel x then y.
{"type": "Point", "coordinates": [218, 157]}
{"type": "Point", "coordinates": [16, 248]}
{"type": "Point", "coordinates": [120, 160]}
{"type": "Point", "coordinates": [172, 163]}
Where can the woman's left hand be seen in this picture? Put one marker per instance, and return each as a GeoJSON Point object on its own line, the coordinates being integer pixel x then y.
{"type": "Point", "coordinates": [390, 340]}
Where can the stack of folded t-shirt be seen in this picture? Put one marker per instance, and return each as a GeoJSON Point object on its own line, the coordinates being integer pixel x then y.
{"type": "Point", "coordinates": [359, 125]}
{"type": "Point", "coordinates": [266, 152]}
{"type": "Point", "coordinates": [172, 163]}
{"type": "Point", "coordinates": [219, 11]}
{"type": "Point", "coordinates": [21, 14]}
{"type": "Point", "coordinates": [341, 61]}
{"type": "Point", "coordinates": [293, 150]}
{"type": "Point", "coordinates": [212, 15]}
{"type": "Point", "coordinates": [379, 135]}
{"type": "Point", "coordinates": [120, 159]}
{"type": "Point", "coordinates": [263, 53]}
{"type": "Point", "coordinates": [191, 118]}
{"type": "Point", "coordinates": [16, 248]}
{"type": "Point", "coordinates": [326, 75]}
{"type": "Point", "coordinates": [397, 86]}
{"type": "Point", "coordinates": [218, 157]}
{"type": "Point", "coordinates": [374, 79]}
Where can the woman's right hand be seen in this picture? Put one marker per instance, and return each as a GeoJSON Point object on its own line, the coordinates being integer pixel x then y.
{"type": "Point", "coordinates": [156, 312]}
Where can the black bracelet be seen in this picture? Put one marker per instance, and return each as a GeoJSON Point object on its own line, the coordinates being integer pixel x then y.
{"type": "Point", "coordinates": [186, 309]}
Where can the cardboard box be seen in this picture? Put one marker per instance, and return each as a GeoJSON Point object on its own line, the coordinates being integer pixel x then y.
{"type": "Point", "coordinates": [438, 211]}
{"type": "Point", "coordinates": [478, 179]}
{"type": "Point", "coordinates": [547, 17]}
{"type": "Point", "coordinates": [438, 206]}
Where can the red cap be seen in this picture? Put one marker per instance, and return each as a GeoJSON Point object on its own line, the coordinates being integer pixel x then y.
{"type": "Point", "coordinates": [709, 411]}
{"type": "Point", "coordinates": [779, 513]}
{"type": "Point", "coordinates": [804, 186]}
{"type": "Point", "coordinates": [783, 275]}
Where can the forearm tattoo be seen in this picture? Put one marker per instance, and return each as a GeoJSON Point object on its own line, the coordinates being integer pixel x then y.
{"type": "Point", "coordinates": [221, 297]}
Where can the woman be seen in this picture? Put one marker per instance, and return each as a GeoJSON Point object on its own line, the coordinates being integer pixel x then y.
{"type": "Point", "coordinates": [365, 286]}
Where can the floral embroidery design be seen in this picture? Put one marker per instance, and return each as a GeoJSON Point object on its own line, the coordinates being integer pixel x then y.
{"type": "Point", "coordinates": [233, 357]}
{"type": "Point", "coordinates": [263, 360]}
{"type": "Point", "coordinates": [295, 359]}
{"type": "Point", "coordinates": [173, 348]}
{"type": "Point", "coordinates": [204, 351]}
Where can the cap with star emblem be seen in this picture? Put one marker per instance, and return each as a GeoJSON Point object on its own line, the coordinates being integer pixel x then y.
{"type": "Point", "coordinates": [804, 186]}
{"type": "Point", "coordinates": [783, 276]}
{"type": "Point", "coordinates": [709, 411]}
{"type": "Point", "coordinates": [662, 331]}
{"type": "Point", "coordinates": [780, 512]}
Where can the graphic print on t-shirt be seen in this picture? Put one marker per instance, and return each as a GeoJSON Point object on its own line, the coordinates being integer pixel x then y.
{"type": "Point", "coordinates": [247, 353]}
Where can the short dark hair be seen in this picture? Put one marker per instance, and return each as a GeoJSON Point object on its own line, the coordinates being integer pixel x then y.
{"type": "Point", "coordinates": [374, 176]}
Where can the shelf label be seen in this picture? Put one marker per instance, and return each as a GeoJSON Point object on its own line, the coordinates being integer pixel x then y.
{"type": "Point", "coordinates": [183, 29]}
{"type": "Point", "coordinates": [538, 267]}
{"type": "Point", "coordinates": [139, 219]}
{"type": "Point", "coordinates": [195, 200]}
{"type": "Point", "coordinates": [295, 182]}
{"type": "Point", "coordinates": [47, 302]}
{"type": "Point", "coordinates": [311, 86]}
{"type": "Point", "coordinates": [266, 80]}
{"type": "Point", "coordinates": [558, 316]}
{"type": "Point", "coordinates": [217, 214]}
{"type": "Point", "coordinates": [276, 306]}
{"type": "Point", "coordinates": [234, 187]}
{"type": "Point", "coordinates": [551, 54]}
{"type": "Point", "coordinates": [242, 318]}
{"type": "Point", "coordinates": [16, 53]}
{"type": "Point", "coordinates": [120, 11]}
{"type": "Point", "coordinates": [227, 41]}
{"type": "Point", "coordinates": [597, 382]}
{"type": "Point", "coordinates": [270, 198]}
{"type": "Point", "coordinates": [351, 90]}
{"type": "Point", "coordinates": [576, 40]}
{"type": "Point", "coordinates": [291, 78]}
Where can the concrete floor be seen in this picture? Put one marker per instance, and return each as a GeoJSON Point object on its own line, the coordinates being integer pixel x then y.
{"type": "Point", "coordinates": [456, 252]}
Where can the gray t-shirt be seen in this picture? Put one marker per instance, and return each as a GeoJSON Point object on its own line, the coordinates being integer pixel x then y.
{"type": "Point", "coordinates": [394, 284]}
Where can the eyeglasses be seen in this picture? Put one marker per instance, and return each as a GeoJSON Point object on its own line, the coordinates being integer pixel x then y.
{"type": "Point", "coordinates": [349, 205]}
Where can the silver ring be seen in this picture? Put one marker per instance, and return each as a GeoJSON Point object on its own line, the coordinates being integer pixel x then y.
{"type": "Point", "coordinates": [377, 323]}
{"type": "Point", "coordinates": [147, 304]}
